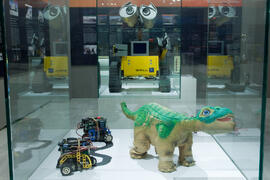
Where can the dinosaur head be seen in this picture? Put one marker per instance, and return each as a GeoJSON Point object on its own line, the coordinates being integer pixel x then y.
{"type": "Point", "coordinates": [216, 119]}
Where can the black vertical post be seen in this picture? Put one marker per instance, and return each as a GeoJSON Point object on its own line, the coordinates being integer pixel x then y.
{"type": "Point", "coordinates": [6, 89]}
{"type": "Point", "coordinates": [264, 89]}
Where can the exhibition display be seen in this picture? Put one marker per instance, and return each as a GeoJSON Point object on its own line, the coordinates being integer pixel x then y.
{"type": "Point", "coordinates": [95, 129]}
{"type": "Point", "coordinates": [140, 45]}
{"type": "Point", "coordinates": [135, 89]}
{"type": "Point", "coordinates": [138, 62]}
{"type": "Point", "coordinates": [75, 156]}
{"type": "Point", "coordinates": [158, 126]}
{"type": "Point", "coordinates": [76, 152]}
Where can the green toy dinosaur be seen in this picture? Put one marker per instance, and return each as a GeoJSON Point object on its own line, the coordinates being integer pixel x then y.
{"type": "Point", "coordinates": [165, 129]}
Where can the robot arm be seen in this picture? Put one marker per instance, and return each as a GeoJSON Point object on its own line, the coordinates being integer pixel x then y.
{"type": "Point", "coordinates": [164, 45]}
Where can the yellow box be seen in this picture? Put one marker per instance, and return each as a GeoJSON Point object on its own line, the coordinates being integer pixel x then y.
{"type": "Point", "coordinates": [219, 66]}
{"type": "Point", "coordinates": [56, 66]}
{"type": "Point", "coordinates": [145, 66]}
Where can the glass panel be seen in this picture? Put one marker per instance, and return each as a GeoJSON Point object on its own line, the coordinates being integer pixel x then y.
{"type": "Point", "coordinates": [266, 156]}
{"type": "Point", "coordinates": [266, 160]}
{"type": "Point", "coordinates": [37, 50]}
{"type": "Point", "coordinates": [234, 69]}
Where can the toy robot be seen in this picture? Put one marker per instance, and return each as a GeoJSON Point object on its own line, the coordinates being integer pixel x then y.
{"type": "Point", "coordinates": [75, 156]}
{"type": "Point", "coordinates": [95, 129]}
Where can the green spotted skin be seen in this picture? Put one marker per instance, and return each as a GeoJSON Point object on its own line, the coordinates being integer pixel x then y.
{"type": "Point", "coordinates": [166, 119]}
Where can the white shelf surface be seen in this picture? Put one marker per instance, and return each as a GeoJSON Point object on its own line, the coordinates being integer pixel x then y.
{"type": "Point", "coordinates": [211, 163]}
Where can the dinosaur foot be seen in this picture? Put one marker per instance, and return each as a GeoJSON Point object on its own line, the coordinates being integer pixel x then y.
{"type": "Point", "coordinates": [166, 166]}
{"type": "Point", "coordinates": [189, 161]}
{"type": "Point", "coordinates": [136, 155]}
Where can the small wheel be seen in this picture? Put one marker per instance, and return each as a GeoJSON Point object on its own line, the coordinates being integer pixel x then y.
{"type": "Point", "coordinates": [93, 161]}
{"type": "Point", "coordinates": [66, 169]}
{"type": "Point", "coordinates": [108, 138]}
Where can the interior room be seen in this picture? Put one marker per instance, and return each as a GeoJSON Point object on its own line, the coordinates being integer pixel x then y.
{"type": "Point", "coordinates": [117, 89]}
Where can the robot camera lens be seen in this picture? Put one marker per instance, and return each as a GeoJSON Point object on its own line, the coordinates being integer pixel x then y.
{"type": "Point", "coordinates": [130, 10]}
{"type": "Point", "coordinates": [146, 11]}
{"type": "Point", "coordinates": [211, 11]}
{"type": "Point", "coordinates": [225, 10]}
{"type": "Point", "coordinates": [53, 11]}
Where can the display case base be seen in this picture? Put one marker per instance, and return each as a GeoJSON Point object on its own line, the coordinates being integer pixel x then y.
{"type": "Point", "coordinates": [211, 162]}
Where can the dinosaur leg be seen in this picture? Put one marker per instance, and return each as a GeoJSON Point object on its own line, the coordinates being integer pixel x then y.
{"type": "Point", "coordinates": [185, 152]}
{"type": "Point", "coordinates": [165, 153]}
{"type": "Point", "coordinates": [141, 145]}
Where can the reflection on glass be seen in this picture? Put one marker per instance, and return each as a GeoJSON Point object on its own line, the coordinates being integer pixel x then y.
{"type": "Point", "coordinates": [37, 52]}
{"type": "Point", "coordinates": [234, 66]}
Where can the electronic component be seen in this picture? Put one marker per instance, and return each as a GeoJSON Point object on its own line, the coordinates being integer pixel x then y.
{"type": "Point", "coordinates": [139, 48]}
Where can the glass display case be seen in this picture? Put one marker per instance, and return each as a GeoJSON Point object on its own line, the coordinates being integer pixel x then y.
{"type": "Point", "coordinates": [191, 74]}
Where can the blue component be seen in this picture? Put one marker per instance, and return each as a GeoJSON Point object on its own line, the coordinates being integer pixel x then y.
{"type": "Point", "coordinates": [50, 70]}
{"type": "Point", "coordinates": [151, 69]}
{"type": "Point", "coordinates": [65, 146]}
{"type": "Point", "coordinates": [92, 134]}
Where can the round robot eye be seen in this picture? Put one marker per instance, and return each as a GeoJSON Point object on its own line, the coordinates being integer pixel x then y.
{"type": "Point", "coordinates": [206, 112]}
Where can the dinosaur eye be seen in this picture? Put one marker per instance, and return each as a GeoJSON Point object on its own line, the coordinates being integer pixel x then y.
{"type": "Point", "coordinates": [206, 112]}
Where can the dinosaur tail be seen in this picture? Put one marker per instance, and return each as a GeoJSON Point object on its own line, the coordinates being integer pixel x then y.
{"type": "Point", "coordinates": [127, 112]}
